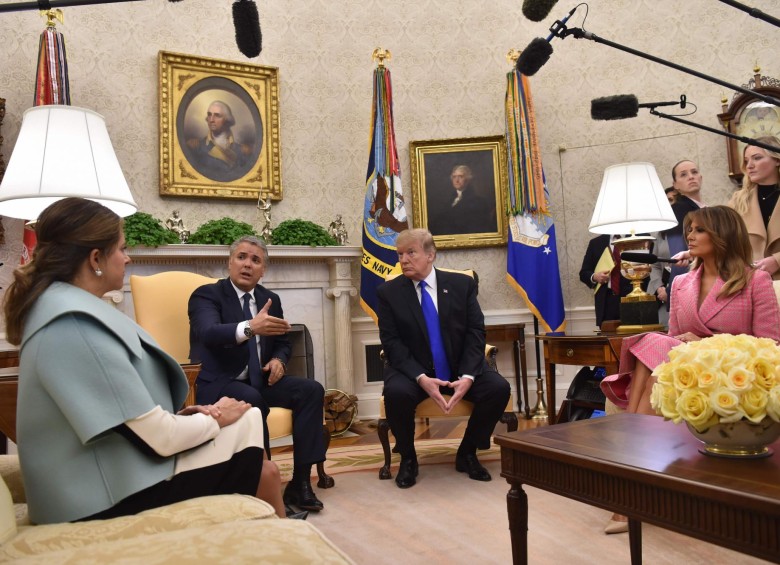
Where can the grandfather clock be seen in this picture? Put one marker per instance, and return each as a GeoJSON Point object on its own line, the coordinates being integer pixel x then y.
{"type": "Point", "coordinates": [751, 117]}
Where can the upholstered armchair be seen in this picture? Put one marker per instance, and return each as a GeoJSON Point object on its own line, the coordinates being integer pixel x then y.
{"type": "Point", "coordinates": [160, 304]}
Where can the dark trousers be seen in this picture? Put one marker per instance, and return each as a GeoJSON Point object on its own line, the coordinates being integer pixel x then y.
{"type": "Point", "coordinates": [303, 396]}
{"type": "Point", "coordinates": [489, 393]}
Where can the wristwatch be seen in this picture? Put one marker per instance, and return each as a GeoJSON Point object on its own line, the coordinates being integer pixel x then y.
{"type": "Point", "coordinates": [248, 332]}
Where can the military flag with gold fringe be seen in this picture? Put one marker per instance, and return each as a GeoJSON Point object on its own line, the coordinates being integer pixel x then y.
{"type": "Point", "coordinates": [532, 253]}
{"type": "Point", "coordinates": [384, 212]}
{"type": "Point", "coordinates": [51, 87]}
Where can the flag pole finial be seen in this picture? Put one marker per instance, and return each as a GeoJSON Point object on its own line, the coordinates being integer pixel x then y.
{"type": "Point", "coordinates": [512, 56]}
{"type": "Point", "coordinates": [51, 15]}
{"type": "Point", "coordinates": [380, 55]}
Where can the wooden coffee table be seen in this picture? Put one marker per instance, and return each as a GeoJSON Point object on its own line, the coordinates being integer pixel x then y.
{"type": "Point", "coordinates": [651, 471]}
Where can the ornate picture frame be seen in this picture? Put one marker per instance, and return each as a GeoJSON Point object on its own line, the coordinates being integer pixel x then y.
{"type": "Point", "coordinates": [219, 128]}
{"type": "Point", "coordinates": [473, 217]}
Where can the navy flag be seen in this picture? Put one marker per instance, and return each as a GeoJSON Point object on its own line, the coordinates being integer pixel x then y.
{"type": "Point", "coordinates": [384, 213]}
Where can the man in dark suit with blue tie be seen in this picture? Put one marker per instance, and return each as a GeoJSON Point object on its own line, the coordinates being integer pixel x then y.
{"type": "Point", "coordinates": [239, 335]}
{"type": "Point", "coordinates": [433, 335]}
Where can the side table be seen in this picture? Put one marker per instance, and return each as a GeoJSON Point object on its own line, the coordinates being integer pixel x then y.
{"type": "Point", "coordinates": [573, 349]}
{"type": "Point", "coordinates": [514, 332]}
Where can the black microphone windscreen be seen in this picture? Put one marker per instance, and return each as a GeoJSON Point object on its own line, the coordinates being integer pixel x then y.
{"type": "Point", "coordinates": [639, 257]}
{"type": "Point", "coordinates": [647, 258]}
{"type": "Point", "coordinates": [534, 56]}
{"type": "Point", "coordinates": [247, 24]}
{"type": "Point", "coordinates": [614, 107]}
{"type": "Point", "coordinates": [537, 10]}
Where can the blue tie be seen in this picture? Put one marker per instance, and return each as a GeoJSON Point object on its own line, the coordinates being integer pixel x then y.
{"type": "Point", "coordinates": [254, 359]}
{"type": "Point", "coordinates": [434, 335]}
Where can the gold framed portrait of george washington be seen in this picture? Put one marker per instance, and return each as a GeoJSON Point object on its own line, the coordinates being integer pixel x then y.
{"type": "Point", "coordinates": [219, 128]}
{"type": "Point", "coordinates": [459, 189]}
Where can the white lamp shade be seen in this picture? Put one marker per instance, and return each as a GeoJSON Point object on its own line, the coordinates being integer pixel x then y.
{"type": "Point", "coordinates": [631, 200]}
{"type": "Point", "coordinates": [62, 151]}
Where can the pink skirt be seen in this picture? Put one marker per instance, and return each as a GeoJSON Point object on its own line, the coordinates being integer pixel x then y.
{"type": "Point", "coordinates": [651, 349]}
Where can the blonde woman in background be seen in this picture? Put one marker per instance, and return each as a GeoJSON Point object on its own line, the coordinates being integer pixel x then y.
{"type": "Point", "coordinates": [757, 203]}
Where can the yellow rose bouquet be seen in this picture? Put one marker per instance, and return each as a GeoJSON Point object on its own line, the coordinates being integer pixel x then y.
{"type": "Point", "coordinates": [720, 379]}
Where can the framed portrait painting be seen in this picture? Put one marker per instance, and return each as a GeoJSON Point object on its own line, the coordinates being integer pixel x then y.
{"type": "Point", "coordinates": [459, 190]}
{"type": "Point", "coordinates": [219, 128]}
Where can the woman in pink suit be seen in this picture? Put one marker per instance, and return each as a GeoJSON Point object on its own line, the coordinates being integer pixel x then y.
{"type": "Point", "coordinates": [722, 293]}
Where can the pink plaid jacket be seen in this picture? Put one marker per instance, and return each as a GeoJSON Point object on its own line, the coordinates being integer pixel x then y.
{"type": "Point", "coordinates": [754, 311]}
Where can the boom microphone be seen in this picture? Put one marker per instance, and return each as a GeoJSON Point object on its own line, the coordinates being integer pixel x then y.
{"type": "Point", "coordinates": [646, 258]}
{"type": "Point", "coordinates": [534, 57]}
{"type": "Point", "coordinates": [537, 10]}
{"type": "Point", "coordinates": [539, 50]}
{"type": "Point", "coordinates": [625, 106]}
{"type": "Point", "coordinates": [247, 23]}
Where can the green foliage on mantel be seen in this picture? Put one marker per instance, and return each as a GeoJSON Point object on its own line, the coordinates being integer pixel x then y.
{"type": "Point", "coordinates": [144, 229]}
{"type": "Point", "coordinates": [221, 232]}
{"type": "Point", "coordinates": [301, 232]}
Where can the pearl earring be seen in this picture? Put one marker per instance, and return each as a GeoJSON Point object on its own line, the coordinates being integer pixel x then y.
{"type": "Point", "coordinates": [98, 272]}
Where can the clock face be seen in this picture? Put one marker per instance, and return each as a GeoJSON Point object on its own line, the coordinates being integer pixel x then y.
{"type": "Point", "coordinates": [758, 119]}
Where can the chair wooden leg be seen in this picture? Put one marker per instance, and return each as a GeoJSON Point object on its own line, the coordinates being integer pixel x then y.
{"type": "Point", "coordinates": [382, 429]}
{"type": "Point", "coordinates": [510, 419]}
{"type": "Point", "coordinates": [325, 480]}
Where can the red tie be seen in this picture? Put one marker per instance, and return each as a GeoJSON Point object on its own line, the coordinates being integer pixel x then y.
{"type": "Point", "coordinates": [614, 281]}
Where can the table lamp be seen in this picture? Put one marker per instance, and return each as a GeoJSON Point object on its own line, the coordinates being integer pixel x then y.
{"type": "Point", "coordinates": [632, 201]}
{"type": "Point", "coordinates": [62, 151]}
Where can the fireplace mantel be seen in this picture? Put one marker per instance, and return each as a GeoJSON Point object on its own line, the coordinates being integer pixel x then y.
{"type": "Point", "coordinates": [219, 253]}
{"type": "Point", "coordinates": [314, 283]}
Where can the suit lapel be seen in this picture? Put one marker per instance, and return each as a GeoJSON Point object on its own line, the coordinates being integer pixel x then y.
{"type": "Point", "coordinates": [234, 307]}
{"type": "Point", "coordinates": [713, 303]}
{"type": "Point", "coordinates": [754, 220]}
{"type": "Point", "coordinates": [688, 297]}
{"type": "Point", "coordinates": [443, 294]}
{"type": "Point", "coordinates": [773, 229]}
{"type": "Point", "coordinates": [261, 297]}
{"type": "Point", "coordinates": [409, 296]}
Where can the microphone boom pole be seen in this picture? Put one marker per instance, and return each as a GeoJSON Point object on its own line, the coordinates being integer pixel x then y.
{"type": "Point", "coordinates": [23, 6]}
{"type": "Point", "coordinates": [578, 33]}
{"type": "Point", "coordinates": [756, 13]}
{"type": "Point", "coordinates": [743, 139]}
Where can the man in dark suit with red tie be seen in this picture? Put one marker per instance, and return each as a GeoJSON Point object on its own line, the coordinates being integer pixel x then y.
{"type": "Point", "coordinates": [239, 335]}
{"type": "Point", "coordinates": [433, 335]}
{"type": "Point", "coordinates": [613, 285]}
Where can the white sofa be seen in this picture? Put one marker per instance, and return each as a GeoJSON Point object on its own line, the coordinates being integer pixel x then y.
{"type": "Point", "coordinates": [219, 529]}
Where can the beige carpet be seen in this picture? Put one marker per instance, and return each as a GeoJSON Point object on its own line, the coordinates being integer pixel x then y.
{"type": "Point", "coordinates": [448, 519]}
{"type": "Point", "coordinates": [364, 457]}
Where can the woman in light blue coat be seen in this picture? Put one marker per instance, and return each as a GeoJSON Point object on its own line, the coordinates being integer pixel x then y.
{"type": "Point", "coordinates": [98, 430]}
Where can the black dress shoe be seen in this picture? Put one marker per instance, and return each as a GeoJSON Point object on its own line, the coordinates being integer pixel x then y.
{"type": "Point", "coordinates": [470, 464]}
{"type": "Point", "coordinates": [407, 473]}
{"type": "Point", "coordinates": [302, 496]}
